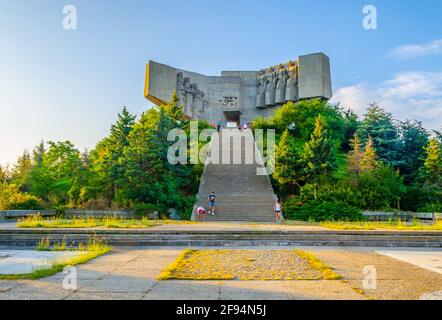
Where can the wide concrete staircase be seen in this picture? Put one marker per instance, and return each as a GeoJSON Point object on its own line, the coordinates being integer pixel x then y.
{"type": "Point", "coordinates": [241, 194]}
{"type": "Point", "coordinates": [219, 238]}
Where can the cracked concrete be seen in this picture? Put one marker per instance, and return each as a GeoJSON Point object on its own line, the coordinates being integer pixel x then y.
{"type": "Point", "coordinates": [130, 273]}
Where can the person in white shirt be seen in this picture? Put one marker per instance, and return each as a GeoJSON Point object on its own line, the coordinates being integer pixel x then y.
{"type": "Point", "coordinates": [278, 210]}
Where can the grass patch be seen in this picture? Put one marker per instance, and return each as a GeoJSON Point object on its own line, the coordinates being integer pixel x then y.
{"type": "Point", "coordinates": [382, 225]}
{"type": "Point", "coordinates": [193, 264]}
{"type": "Point", "coordinates": [37, 221]}
{"type": "Point", "coordinates": [92, 249]}
{"type": "Point", "coordinates": [317, 264]}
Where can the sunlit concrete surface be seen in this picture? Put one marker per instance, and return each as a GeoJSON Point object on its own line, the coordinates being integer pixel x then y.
{"type": "Point", "coordinates": [26, 261]}
{"type": "Point", "coordinates": [430, 260]}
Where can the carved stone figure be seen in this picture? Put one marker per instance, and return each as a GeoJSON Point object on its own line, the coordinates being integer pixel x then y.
{"type": "Point", "coordinates": [260, 96]}
{"type": "Point", "coordinates": [291, 92]}
{"type": "Point", "coordinates": [187, 95]}
{"type": "Point", "coordinates": [281, 85]}
{"type": "Point", "coordinates": [179, 84]}
{"type": "Point", "coordinates": [198, 103]}
{"type": "Point", "coordinates": [270, 88]}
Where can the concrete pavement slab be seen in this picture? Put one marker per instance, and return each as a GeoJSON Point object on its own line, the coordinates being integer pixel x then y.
{"type": "Point", "coordinates": [184, 290]}
{"type": "Point", "coordinates": [80, 295]}
{"type": "Point", "coordinates": [430, 260]}
{"type": "Point", "coordinates": [115, 283]}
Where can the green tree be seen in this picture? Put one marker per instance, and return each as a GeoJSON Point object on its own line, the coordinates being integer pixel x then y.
{"type": "Point", "coordinates": [107, 157]}
{"type": "Point", "coordinates": [318, 155]}
{"type": "Point", "coordinates": [351, 124]}
{"type": "Point", "coordinates": [53, 178]}
{"type": "Point", "coordinates": [21, 170]}
{"type": "Point", "coordinates": [302, 117]}
{"type": "Point", "coordinates": [287, 167]}
{"type": "Point", "coordinates": [38, 153]}
{"type": "Point", "coordinates": [354, 158]}
{"type": "Point", "coordinates": [415, 138]}
{"type": "Point", "coordinates": [369, 159]}
{"type": "Point", "coordinates": [380, 126]}
{"type": "Point", "coordinates": [438, 134]}
{"type": "Point", "coordinates": [149, 177]}
{"type": "Point", "coordinates": [381, 188]}
{"type": "Point", "coordinates": [433, 161]}
{"type": "Point", "coordinates": [83, 186]}
{"type": "Point", "coordinates": [116, 143]}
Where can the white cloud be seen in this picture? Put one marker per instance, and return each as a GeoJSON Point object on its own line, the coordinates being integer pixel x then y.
{"type": "Point", "coordinates": [415, 50]}
{"type": "Point", "coordinates": [409, 95]}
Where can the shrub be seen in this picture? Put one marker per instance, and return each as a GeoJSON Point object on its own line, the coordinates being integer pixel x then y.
{"type": "Point", "coordinates": [321, 211]}
{"type": "Point", "coordinates": [432, 207]}
{"type": "Point", "coordinates": [338, 192]}
{"type": "Point", "coordinates": [26, 202]}
{"type": "Point", "coordinates": [262, 123]}
{"type": "Point", "coordinates": [144, 209]}
{"type": "Point", "coordinates": [97, 204]}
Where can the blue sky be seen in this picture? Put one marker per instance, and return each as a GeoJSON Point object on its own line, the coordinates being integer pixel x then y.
{"type": "Point", "coordinates": [57, 84]}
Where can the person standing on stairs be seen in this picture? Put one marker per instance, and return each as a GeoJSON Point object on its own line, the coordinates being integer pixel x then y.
{"type": "Point", "coordinates": [211, 199]}
{"type": "Point", "coordinates": [278, 209]}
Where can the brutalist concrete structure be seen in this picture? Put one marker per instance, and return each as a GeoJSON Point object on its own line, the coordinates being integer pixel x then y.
{"type": "Point", "coordinates": [240, 96]}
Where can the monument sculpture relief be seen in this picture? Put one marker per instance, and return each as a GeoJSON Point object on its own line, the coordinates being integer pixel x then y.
{"type": "Point", "coordinates": [270, 88]}
{"type": "Point", "coordinates": [260, 96]}
{"type": "Point", "coordinates": [280, 86]}
{"type": "Point", "coordinates": [240, 96]}
{"type": "Point", "coordinates": [292, 83]}
{"type": "Point", "coordinates": [198, 103]}
{"type": "Point", "coordinates": [189, 95]}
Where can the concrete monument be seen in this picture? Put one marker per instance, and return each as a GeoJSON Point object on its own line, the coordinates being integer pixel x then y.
{"type": "Point", "coordinates": [240, 96]}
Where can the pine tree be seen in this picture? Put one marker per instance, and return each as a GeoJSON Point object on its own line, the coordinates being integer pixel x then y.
{"type": "Point", "coordinates": [109, 152]}
{"type": "Point", "coordinates": [38, 153]}
{"type": "Point", "coordinates": [415, 139]}
{"type": "Point", "coordinates": [318, 155]}
{"type": "Point", "coordinates": [174, 110]}
{"type": "Point", "coordinates": [354, 157]}
{"type": "Point", "coordinates": [351, 123]}
{"type": "Point", "coordinates": [21, 171]}
{"type": "Point", "coordinates": [380, 126]}
{"type": "Point", "coordinates": [286, 162]}
{"type": "Point", "coordinates": [368, 160]}
{"type": "Point", "coordinates": [438, 134]}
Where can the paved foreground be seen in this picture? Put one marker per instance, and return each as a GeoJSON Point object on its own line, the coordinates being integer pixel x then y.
{"type": "Point", "coordinates": [129, 273]}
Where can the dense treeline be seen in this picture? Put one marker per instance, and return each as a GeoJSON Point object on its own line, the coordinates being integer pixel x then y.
{"type": "Point", "coordinates": [329, 164]}
{"type": "Point", "coordinates": [126, 169]}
